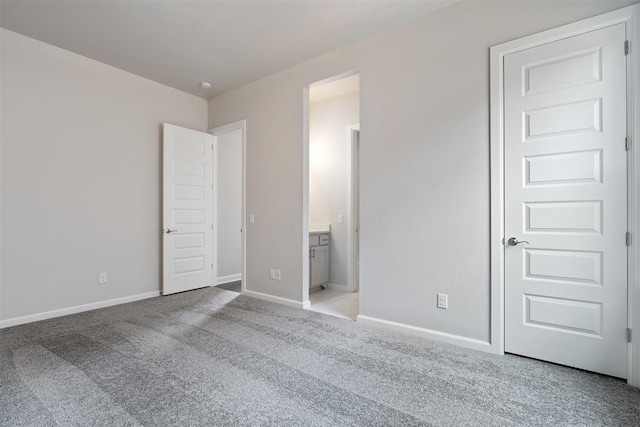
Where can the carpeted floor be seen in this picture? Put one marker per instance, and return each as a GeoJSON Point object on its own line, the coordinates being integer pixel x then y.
{"type": "Point", "coordinates": [215, 358]}
{"type": "Point", "coordinates": [231, 286]}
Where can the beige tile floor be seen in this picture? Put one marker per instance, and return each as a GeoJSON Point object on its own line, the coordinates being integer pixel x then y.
{"type": "Point", "coordinates": [335, 303]}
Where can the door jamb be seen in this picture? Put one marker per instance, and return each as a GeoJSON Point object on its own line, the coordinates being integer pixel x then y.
{"type": "Point", "coordinates": [220, 130]}
{"type": "Point", "coordinates": [352, 197]}
{"type": "Point", "coordinates": [629, 16]}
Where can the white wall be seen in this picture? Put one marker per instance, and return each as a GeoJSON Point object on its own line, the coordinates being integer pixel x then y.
{"type": "Point", "coordinates": [424, 161]}
{"type": "Point", "coordinates": [229, 212]}
{"type": "Point", "coordinates": [330, 173]}
{"type": "Point", "coordinates": [81, 174]}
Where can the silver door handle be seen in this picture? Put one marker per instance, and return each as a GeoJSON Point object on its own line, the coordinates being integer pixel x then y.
{"type": "Point", "coordinates": [169, 231]}
{"type": "Point", "coordinates": [515, 242]}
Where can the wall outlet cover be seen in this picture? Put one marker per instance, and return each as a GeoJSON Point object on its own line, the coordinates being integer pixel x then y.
{"type": "Point", "coordinates": [102, 278]}
{"type": "Point", "coordinates": [443, 301]}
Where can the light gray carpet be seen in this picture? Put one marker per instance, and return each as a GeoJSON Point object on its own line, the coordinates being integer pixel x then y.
{"type": "Point", "coordinates": [212, 358]}
{"type": "Point", "coordinates": [231, 286]}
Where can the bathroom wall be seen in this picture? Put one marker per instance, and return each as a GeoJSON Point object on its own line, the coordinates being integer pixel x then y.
{"type": "Point", "coordinates": [329, 173]}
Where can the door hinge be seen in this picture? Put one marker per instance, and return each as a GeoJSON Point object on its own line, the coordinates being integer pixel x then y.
{"type": "Point", "coordinates": [626, 47]}
{"type": "Point", "coordinates": [627, 143]}
{"type": "Point", "coordinates": [629, 335]}
{"type": "Point", "coordinates": [212, 145]}
{"type": "Point", "coordinates": [628, 238]}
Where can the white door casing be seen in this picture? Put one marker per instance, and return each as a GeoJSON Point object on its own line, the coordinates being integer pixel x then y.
{"type": "Point", "coordinates": [565, 189]}
{"type": "Point", "coordinates": [353, 209]}
{"type": "Point", "coordinates": [356, 208]}
{"type": "Point", "coordinates": [241, 126]}
{"type": "Point", "coordinates": [187, 209]}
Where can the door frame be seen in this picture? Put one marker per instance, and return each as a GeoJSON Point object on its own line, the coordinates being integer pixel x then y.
{"type": "Point", "coordinates": [306, 303]}
{"type": "Point", "coordinates": [217, 131]}
{"type": "Point", "coordinates": [629, 16]}
{"type": "Point", "coordinates": [353, 196]}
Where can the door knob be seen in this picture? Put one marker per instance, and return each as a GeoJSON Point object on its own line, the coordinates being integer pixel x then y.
{"type": "Point", "coordinates": [515, 242]}
{"type": "Point", "coordinates": [169, 231]}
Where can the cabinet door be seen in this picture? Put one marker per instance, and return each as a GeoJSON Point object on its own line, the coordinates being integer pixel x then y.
{"type": "Point", "coordinates": [319, 265]}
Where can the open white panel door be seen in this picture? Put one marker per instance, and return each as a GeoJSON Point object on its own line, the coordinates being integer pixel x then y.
{"type": "Point", "coordinates": [187, 209]}
{"type": "Point", "coordinates": [566, 202]}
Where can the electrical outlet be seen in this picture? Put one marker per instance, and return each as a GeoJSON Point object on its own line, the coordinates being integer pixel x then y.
{"type": "Point", "coordinates": [272, 274]}
{"type": "Point", "coordinates": [102, 278]}
{"type": "Point", "coordinates": [278, 275]}
{"type": "Point", "coordinates": [443, 301]}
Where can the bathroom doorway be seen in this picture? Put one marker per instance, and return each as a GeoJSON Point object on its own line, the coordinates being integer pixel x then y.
{"type": "Point", "coordinates": [333, 189]}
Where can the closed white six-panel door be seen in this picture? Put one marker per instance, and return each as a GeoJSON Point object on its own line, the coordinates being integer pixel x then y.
{"type": "Point", "coordinates": [187, 209]}
{"type": "Point", "coordinates": [566, 202]}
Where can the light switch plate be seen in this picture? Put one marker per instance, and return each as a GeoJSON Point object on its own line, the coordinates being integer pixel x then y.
{"type": "Point", "coordinates": [102, 278]}
{"type": "Point", "coordinates": [252, 219]}
{"type": "Point", "coordinates": [340, 219]}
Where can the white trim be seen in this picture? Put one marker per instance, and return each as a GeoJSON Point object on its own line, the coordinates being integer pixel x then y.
{"type": "Point", "coordinates": [304, 250]}
{"type": "Point", "coordinates": [339, 287]}
{"type": "Point", "coordinates": [626, 15]}
{"type": "Point", "coordinates": [76, 309]}
{"type": "Point", "coordinates": [633, 123]}
{"type": "Point", "coordinates": [426, 333]}
{"type": "Point", "coordinates": [214, 199]}
{"type": "Point", "coordinates": [334, 78]}
{"type": "Point", "coordinates": [220, 130]}
{"type": "Point", "coordinates": [228, 279]}
{"type": "Point", "coordinates": [352, 198]}
{"type": "Point", "coordinates": [278, 300]}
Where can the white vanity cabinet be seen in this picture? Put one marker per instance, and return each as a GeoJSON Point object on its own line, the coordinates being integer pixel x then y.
{"type": "Point", "coordinates": [318, 259]}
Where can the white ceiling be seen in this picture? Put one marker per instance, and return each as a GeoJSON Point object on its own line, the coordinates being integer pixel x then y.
{"type": "Point", "coordinates": [182, 42]}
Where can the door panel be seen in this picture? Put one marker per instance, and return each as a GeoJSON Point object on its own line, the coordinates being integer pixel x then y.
{"type": "Point", "coordinates": [319, 265]}
{"type": "Point", "coordinates": [187, 210]}
{"type": "Point", "coordinates": [566, 201]}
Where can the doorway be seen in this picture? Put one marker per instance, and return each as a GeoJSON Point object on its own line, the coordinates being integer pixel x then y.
{"type": "Point", "coordinates": [562, 182]}
{"type": "Point", "coordinates": [228, 206]}
{"type": "Point", "coordinates": [333, 189]}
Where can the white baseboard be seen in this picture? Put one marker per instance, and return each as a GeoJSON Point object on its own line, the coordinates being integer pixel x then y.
{"type": "Point", "coordinates": [343, 288]}
{"type": "Point", "coordinates": [76, 309]}
{"type": "Point", "coordinates": [279, 300]}
{"type": "Point", "coordinates": [228, 279]}
{"type": "Point", "coordinates": [428, 333]}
